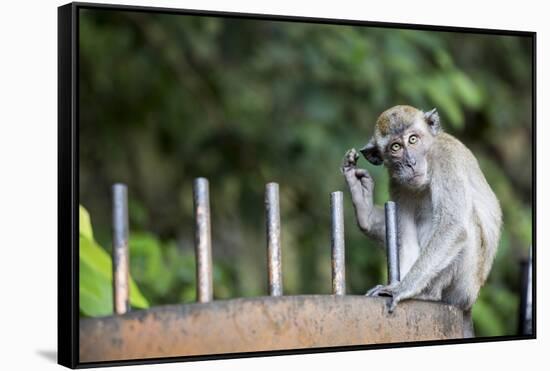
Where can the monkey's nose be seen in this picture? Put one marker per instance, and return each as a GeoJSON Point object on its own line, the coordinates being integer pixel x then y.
{"type": "Point", "coordinates": [411, 165]}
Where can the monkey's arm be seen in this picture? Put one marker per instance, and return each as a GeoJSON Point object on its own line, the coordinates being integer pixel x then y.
{"type": "Point", "coordinates": [370, 218]}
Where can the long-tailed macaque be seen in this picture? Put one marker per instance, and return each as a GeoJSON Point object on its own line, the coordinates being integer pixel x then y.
{"type": "Point", "coordinates": [449, 218]}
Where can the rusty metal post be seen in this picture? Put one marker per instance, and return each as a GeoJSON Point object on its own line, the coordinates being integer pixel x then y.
{"type": "Point", "coordinates": [121, 297]}
{"type": "Point", "coordinates": [337, 243]}
{"type": "Point", "coordinates": [392, 247]}
{"type": "Point", "coordinates": [273, 232]}
{"type": "Point", "coordinates": [203, 240]}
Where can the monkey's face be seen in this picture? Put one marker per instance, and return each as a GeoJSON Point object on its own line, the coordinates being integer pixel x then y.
{"type": "Point", "coordinates": [402, 139]}
{"type": "Point", "coordinates": [405, 156]}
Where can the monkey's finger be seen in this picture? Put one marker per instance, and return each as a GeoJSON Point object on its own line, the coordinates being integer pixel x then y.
{"type": "Point", "coordinates": [350, 158]}
{"type": "Point", "coordinates": [365, 179]}
{"type": "Point", "coordinates": [349, 174]}
{"type": "Point", "coordinates": [354, 154]}
{"type": "Point", "coordinates": [392, 305]}
{"type": "Point", "coordinates": [366, 183]}
{"type": "Point", "coordinates": [362, 173]}
{"type": "Point", "coordinates": [350, 154]}
{"type": "Point", "coordinates": [375, 290]}
{"type": "Point", "coordinates": [371, 291]}
{"type": "Point", "coordinates": [346, 168]}
{"type": "Point", "coordinates": [396, 299]}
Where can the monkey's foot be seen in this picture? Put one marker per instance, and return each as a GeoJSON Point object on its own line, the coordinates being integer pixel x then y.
{"type": "Point", "coordinates": [387, 291]}
{"type": "Point", "coordinates": [380, 290]}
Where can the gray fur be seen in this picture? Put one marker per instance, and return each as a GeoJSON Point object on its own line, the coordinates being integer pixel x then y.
{"type": "Point", "coordinates": [449, 219]}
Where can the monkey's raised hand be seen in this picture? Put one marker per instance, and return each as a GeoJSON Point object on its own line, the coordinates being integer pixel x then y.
{"type": "Point", "coordinates": [359, 181]}
{"type": "Point", "coordinates": [370, 218]}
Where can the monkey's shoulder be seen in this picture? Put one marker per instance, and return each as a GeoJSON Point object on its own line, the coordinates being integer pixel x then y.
{"type": "Point", "coordinates": [452, 152]}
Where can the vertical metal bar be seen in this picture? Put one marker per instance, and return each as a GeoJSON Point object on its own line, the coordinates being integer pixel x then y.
{"type": "Point", "coordinates": [392, 248]}
{"type": "Point", "coordinates": [121, 297]}
{"type": "Point", "coordinates": [526, 299]}
{"type": "Point", "coordinates": [337, 243]}
{"type": "Point", "coordinates": [203, 240]}
{"type": "Point", "coordinates": [528, 328]}
{"type": "Point", "coordinates": [273, 232]}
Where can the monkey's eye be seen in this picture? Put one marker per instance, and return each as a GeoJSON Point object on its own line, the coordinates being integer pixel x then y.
{"type": "Point", "coordinates": [395, 147]}
{"type": "Point", "coordinates": [413, 139]}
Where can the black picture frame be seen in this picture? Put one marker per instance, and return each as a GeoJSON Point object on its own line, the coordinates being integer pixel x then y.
{"type": "Point", "coordinates": [68, 180]}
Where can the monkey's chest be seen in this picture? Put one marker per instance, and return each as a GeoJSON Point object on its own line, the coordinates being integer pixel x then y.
{"type": "Point", "coordinates": [423, 222]}
{"type": "Point", "coordinates": [415, 232]}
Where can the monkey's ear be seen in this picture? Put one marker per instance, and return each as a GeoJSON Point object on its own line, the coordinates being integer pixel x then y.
{"type": "Point", "coordinates": [432, 119]}
{"type": "Point", "coordinates": [371, 153]}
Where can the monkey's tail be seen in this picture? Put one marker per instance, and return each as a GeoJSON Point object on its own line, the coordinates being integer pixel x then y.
{"type": "Point", "coordinates": [468, 324]}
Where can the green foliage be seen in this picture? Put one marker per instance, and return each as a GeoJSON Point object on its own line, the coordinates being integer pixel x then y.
{"type": "Point", "coordinates": [166, 273]}
{"type": "Point", "coordinates": [491, 311]}
{"type": "Point", "coordinates": [95, 269]}
{"type": "Point", "coordinates": [166, 98]}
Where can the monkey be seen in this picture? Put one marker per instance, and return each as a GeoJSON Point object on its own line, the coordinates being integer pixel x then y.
{"type": "Point", "coordinates": [449, 218]}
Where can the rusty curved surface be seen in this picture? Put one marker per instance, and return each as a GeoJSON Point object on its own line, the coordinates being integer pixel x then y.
{"type": "Point", "coordinates": [263, 324]}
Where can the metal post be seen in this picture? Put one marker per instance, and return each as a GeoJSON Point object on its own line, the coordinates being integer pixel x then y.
{"type": "Point", "coordinates": [121, 297]}
{"type": "Point", "coordinates": [203, 240]}
{"type": "Point", "coordinates": [273, 232]}
{"type": "Point", "coordinates": [337, 243]}
{"type": "Point", "coordinates": [392, 242]}
{"type": "Point", "coordinates": [526, 298]}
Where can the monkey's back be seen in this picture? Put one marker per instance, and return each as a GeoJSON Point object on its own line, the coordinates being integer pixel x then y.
{"type": "Point", "coordinates": [485, 213]}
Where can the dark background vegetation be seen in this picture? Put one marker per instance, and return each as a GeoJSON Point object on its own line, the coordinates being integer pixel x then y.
{"type": "Point", "coordinates": [167, 98]}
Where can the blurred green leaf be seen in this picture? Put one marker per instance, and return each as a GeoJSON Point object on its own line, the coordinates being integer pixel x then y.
{"type": "Point", "coordinates": [85, 225]}
{"type": "Point", "coordinates": [95, 271]}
